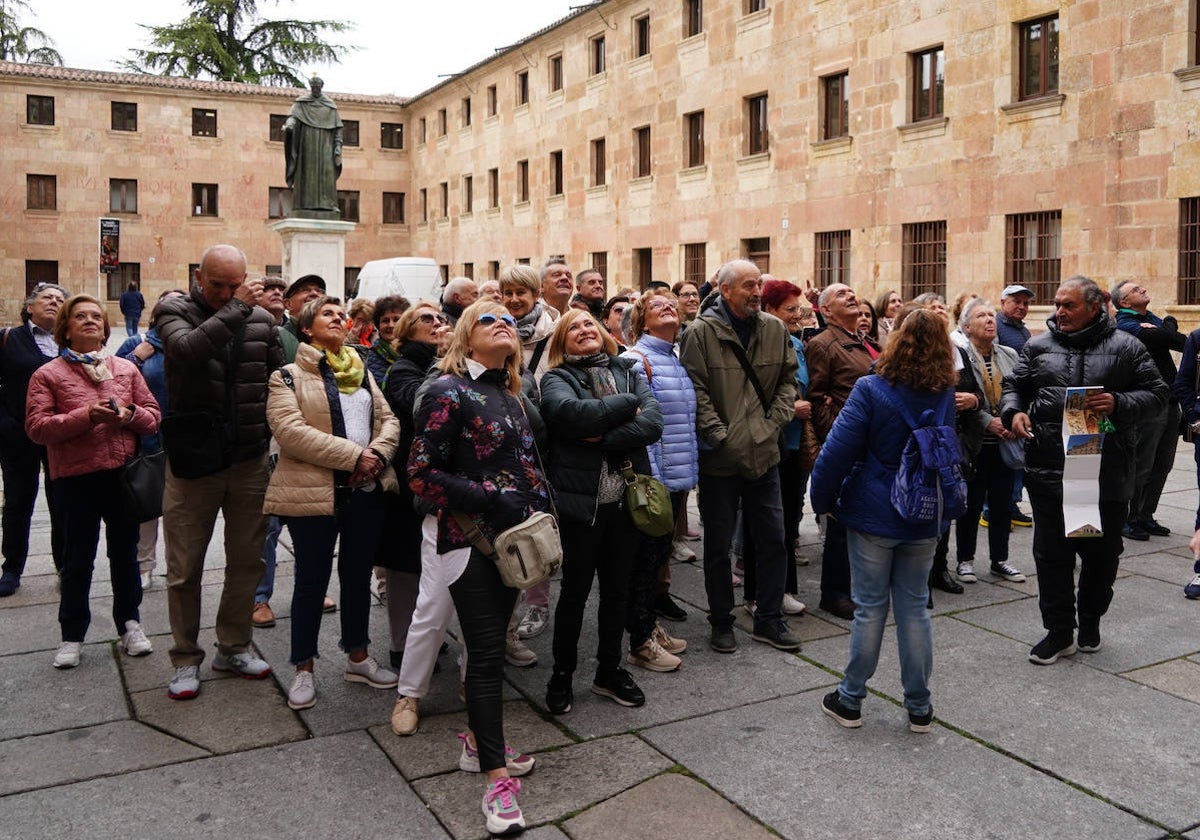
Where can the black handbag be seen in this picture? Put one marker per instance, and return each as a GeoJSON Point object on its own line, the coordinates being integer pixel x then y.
{"type": "Point", "coordinates": [143, 480]}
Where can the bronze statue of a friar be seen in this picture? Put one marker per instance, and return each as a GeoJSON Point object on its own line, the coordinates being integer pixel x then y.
{"type": "Point", "coordinates": [312, 145]}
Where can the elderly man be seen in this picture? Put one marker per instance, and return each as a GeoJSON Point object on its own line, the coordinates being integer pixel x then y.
{"type": "Point", "coordinates": [837, 356]}
{"type": "Point", "coordinates": [1010, 320]}
{"type": "Point", "coordinates": [1082, 347]}
{"type": "Point", "coordinates": [557, 285]}
{"type": "Point", "coordinates": [459, 293]}
{"type": "Point", "coordinates": [743, 368]}
{"type": "Point", "coordinates": [1158, 437]}
{"type": "Point", "coordinates": [219, 349]}
{"type": "Point", "coordinates": [309, 287]}
{"type": "Point", "coordinates": [491, 289]}
{"type": "Point", "coordinates": [590, 284]}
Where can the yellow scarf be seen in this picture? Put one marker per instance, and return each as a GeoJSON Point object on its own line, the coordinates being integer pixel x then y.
{"type": "Point", "coordinates": [347, 367]}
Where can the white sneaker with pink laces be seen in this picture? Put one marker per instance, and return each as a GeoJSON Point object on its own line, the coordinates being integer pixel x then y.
{"type": "Point", "coordinates": [501, 808]}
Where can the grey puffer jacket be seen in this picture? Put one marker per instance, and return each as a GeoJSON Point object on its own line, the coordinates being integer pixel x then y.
{"type": "Point", "coordinates": [1099, 354]}
{"type": "Point", "coordinates": [198, 346]}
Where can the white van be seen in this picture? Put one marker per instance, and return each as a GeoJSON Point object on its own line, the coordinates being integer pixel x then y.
{"type": "Point", "coordinates": [416, 278]}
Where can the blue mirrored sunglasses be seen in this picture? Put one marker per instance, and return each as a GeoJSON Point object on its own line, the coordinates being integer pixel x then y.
{"type": "Point", "coordinates": [488, 318]}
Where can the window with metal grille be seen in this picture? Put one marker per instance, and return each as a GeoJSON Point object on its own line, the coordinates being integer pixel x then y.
{"type": "Point", "coordinates": [835, 106]}
{"type": "Point", "coordinates": [693, 17]}
{"type": "Point", "coordinates": [643, 267]}
{"type": "Point", "coordinates": [599, 260]}
{"type": "Point", "coordinates": [204, 122]}
{"type": "Point", "coordinates": [641, 36]}
{"type": "Point", "coordinates": [556, 72]}
{"type": "Point", "coordinates": [695, 263]}
{"type": "Point", "coordinates": [1189, 251]}
{"type": "Point", "coordinates": [757, 137]}
{"type": "Point", "coordinates": [349, 132]}
{"type": "Point", "coordinates": [39, 110]}
{"type": "Point", "coordinates": [275, 126]}
{"type": "Point", "coordinates": [119, 280]}
{"type": "Point", "coordinates": [641, 150]}
{"type": "Point", "coordinates": [1039, 57]}
{"type": "Point", "coordinates": [596, 49]}
{"type": "Point", "coordinates": [758, 251]}
{"type": "Point", "coordinates": [693, 125]}
{"type": "Point", "coordinates": [393, 208]}
{"type": "Point", "coordinates": [279, 202]}
{"type": "Point", "coordinates": [347, 201]}
{"type": "Point", "coordinates": [522, 180]}
{"type": "Point", "coordinates": [124, 116]}
{"type": "Point", "coordinates": [599, 164]}
{"type": "Point", "coordinates": [391, 135]}
{"type": "Point", "coordinates": [41, 192]}
{"type": "Point", "coordinates": [556, 173]}
{"type": "Point", "coordinates": [468, 194]}
{"type": "Point", "coordinates": [929, 76]}
{"type": "Point", "coordinates": [1033, 253]}
{"type": "Point", "coordinates": [40, 271]}
{"type": "Point", "coordinates": [204, 199]}
{"type": "Point", "coordinates": [923, 259]}
{"type": "Point", "coordinates": [122, 195]}
{"type": "Point", "coordinates": [833, 257]}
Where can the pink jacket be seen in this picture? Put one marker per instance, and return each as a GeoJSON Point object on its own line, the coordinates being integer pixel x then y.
{"type": "Point", "coordinates": [56, 416]}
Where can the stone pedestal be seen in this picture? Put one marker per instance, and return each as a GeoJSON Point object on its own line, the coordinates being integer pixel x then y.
{"type": "Point", "coordinates": [315, 246]}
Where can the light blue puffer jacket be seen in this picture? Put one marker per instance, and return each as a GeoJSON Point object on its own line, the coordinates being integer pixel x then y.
{"type": "Point", "coordinates": [673, 459]}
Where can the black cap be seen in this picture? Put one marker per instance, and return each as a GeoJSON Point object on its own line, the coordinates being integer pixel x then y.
{"type": "Point", "coordinates": [307, 278]}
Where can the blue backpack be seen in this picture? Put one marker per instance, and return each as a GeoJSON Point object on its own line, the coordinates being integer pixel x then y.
{"type": "Point", "coordinates": [929, 485]}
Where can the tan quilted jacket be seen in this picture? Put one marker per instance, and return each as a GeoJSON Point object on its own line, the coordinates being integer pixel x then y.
{"type": "Point", "coordinates": [309, 452]}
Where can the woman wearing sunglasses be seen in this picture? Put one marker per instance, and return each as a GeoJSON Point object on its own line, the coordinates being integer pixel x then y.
{"type": "Point", "coordinates": [474, 453]}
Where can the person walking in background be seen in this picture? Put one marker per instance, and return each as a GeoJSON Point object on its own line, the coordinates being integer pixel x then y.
{"type": "Point", "coordinates": [131, 305]}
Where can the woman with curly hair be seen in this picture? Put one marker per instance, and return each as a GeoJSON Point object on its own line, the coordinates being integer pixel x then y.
{"type": "Point", "coordinates": [890, 557]}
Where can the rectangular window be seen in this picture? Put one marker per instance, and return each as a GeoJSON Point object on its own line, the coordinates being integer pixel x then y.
{"type": "Point", "coordinates": [923, 259]}
{"type": "Point", "coordinates": [469, 270]}
{"type": "Point", "coordinates": [1039, 57]}
{"type": "Point", "coordinates": [599, 260]}
{"type": "Point", "coordinates": [758, 251]}
{"type": "Point", "coordinates": [424, 205]}
{"type": "Point", "coordinates": [273, 269]}
{"type": "Point", "coordinates": [1033, 253]}
{"type": "Point", "coordinates": [596, 55]}
{"type": "Point", "coordinates": [835, 109]}
{"type": "Point", "coordinates": [693, 17]}
{"type": "Point", "coordinates": [523, 260]}
{"type": "Point", "coordinates": [124, 116]}
{"type": "Point", "coordinates": [556, 72]}
{"type": "Point", "coordinates": [833, 258]}
{"type": "Point", "coordinates": [693, 125]}
{"type": "Point", "coordinates": [468, 196]}
{"type": "Point", "coordinates": [493, 188]}
{"type": "Point", "coordinates": [347, 201]}
{"type": "Point", "coordinates": [122, 195]}
{"type": "Point", "coordinates": [757, 135]}
{"type": "Point", "coordinates": [40, 271]}
{"type": "Point", "coordinates": [349, 132]}
{"type": "Point", "coordinates": [350, 279]}
{"type": "Point", "coordinates": [441, 122]}
{"type": "Point", "coordinates": [41, 192]}
{"type": "Point", "coordinates": [465, 111]}
{"type": "Point", "coordinates": [39, 110]}
{"type": "Point", "coordinates": [522, 180]}
{"type": "Point", "coordinates": [275, 127]}
{"type": "Point", "coordinates": [393, 208]}
{"type": "Point", "coordinates": [279, 202]}
{"type": "Point", "coordinates": [641, 152]}
{"type": "Point", "coordinates": [599, 165]}
{"type": "Point", "coordinates": [421, 131]}
{"type": "Point", "coordinates": [643, 267]}
{"type": "Point", "coordinates": [445, 271]}
{"type": "Point", "coordinates": [491, 100]}
{"type": "Point", "coordinates": [1189, 251]}
{"type": "Point", "coordinates": [556, 173]}
{"type": "Point", "coordinates": [523, 87]}
{"type": "Point", "coordinates": [695, 263]}
{"type": "Point", "coordinates": [444, 187]}
{"type": "Point", "coordinates": [929, 76]}
{"type": "Point", "coordinates": [641, 36]}
{"type": "Point", "coordinates": [493, 269]}
{"type": "Point", "coordinates": [119, 280]}
{"type": "Point", "coordinates": [204, 122]}
{"type": "Point", "coordinates": [755, 6]}
{"type": "Point", "coordinates": [391, 135]}
{"type": "Point", "coordinates": [204, 199]}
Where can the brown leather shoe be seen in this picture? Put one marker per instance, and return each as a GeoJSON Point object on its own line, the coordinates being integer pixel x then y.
{"type": "Point", "coordinates": [841, 606]}
{"type": "Point", "coordinates": [262, 615]}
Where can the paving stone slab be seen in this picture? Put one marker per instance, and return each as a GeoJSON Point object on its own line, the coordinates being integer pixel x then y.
{"type": "Point", "coordinates": [1171, 566]}
{"type": "Point", "coordinates": [227, 716]}
{"type": "Point", "coordinates": [297, 789]}
{"type": "Point", "coordinates": [1147, 623]}
{"type": "Point", "coordinates": [545, 832]}
{"type": "Point", "coordinates": [25, 628]}
{"type": "Point", "coordinates": [74, 755]}
{"type": "Point", "coordinates": [35, 697]}
{"type": "Point", "coordinates": [1180, 677]}
{"type": "Point", "coordinates": [434, 748]}
{"type": "Point", "coordinates": [142, 673]}
{"type": "Point", "coordinates": [564, 782]}
{"type": "Point", "coordinates": [878, 781]}
{"type": "Point", "coordinates": [1072, 719]}
{"type": "Point", "coordinates": [667, 807]}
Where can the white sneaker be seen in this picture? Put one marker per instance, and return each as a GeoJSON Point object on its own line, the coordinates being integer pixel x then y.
{"type": "Point", "coordinates": [501, 808]}
{"type": "Point", "coordinates": [134, 641]}
{"type": "Point", "coordinates": [147, 580]}
{"type": "Point", "coordinates": [68, 654]}
{"type": "Point", "coordinates": [533, 622]}
{"type": "Point", "coordinates": [681, 552]}
{"type": "Point", "coordinates": [303, 693]}
{"type": "Point", "coordinates": [793, 605]}
{"type": "Point", "coordinates": [966, 573]}
{"type": "Point", "coordinates": [370, 673]}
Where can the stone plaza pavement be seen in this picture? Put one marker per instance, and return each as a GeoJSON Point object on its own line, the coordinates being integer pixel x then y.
{"type": "Point", "coordinates": [1098, 746]}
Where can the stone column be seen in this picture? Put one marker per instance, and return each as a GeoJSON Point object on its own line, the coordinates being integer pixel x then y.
{"type": "Point", "coordinates": [315, 246]}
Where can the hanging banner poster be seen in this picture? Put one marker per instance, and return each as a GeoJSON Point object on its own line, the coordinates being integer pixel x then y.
{"type": "Point", "coordinates": [110, 245]}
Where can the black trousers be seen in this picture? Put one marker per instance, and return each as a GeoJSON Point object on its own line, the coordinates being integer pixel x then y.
{"type": "Point", "coordinates": [21, 463]}
{"type": "Point", "coordinates": [652, 553]}
{"type": "Point", "coordinates": [792, 481]}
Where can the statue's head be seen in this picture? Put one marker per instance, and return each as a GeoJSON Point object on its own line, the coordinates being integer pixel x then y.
{"type": "Point", "coordinates": [316, 83]}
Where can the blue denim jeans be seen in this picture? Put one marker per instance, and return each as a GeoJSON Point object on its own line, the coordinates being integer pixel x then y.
{"type": "Point", "coordinates": [266, 586]}
{"type": "Point", "coordinates": [883, 568]}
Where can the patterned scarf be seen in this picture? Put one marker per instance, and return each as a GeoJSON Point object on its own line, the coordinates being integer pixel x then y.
{"type": "Point", "coordinates": [93, 364]}
{"type": "Point", "coordinates": [347, 367]}
{"type": "Point", "coordinates": [528, 322]}
{"type": "Point", "coordinates": [600, 374]}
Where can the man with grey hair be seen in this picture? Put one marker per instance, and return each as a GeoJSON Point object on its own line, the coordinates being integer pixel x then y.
{"type": "Point", "coordinates": [590, 283]}
{"type": "Point", "coordinates": [1082, 347]}
{"type": "Point", "coordinates": [557, 285]}
{"type": "Point", "coordinates": [219, 348]}
{"type": "Point", "coordinates": [1158, 436]}
{"type": "Point", "coordinates": [743, 367]}
{"type": "Point", "coordinates": [459, 293]}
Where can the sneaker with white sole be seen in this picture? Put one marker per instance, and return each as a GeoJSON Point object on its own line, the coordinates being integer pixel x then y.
{"type": "Point", "coordinates": [185, 684]}
{"type": "Point", "coordinates": [501, 808]}
{"type": "Point", "coordinates": [303, 693]}
{"type": "Point", "coordinates": [533, 622]}
{"type": "Point", "coordinates": [793, 605]}
{"type": "Point", "coordinates": [1191, 591]}
{"type": "Point", "coordinates": [406, 716]}
{"type": "Point", "coordinates": [134, 641]}
{"type": "Point", "coordinates": [681, 552]}
{"type": "Point", "coordinates": [652, 657]}
{"type": "Point", "coordinates": [518, 653]}
{"type": "Point", "coordinates": [966, 573]}
{"type": "Point", "coordinates": [1008, 571]}
{"type": "Point", "coordinates": [369, 672]}
{"type": "Point", "coordinates": [518, 764]}
{"type": "Point", "coordinates": [669, 643]}
{"type": "Point", "coordinates": [245, 665]}
{"type": "Point", "coordinates": [68, 655]}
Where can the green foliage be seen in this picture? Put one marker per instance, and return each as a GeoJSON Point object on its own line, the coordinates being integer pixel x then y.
{"type": "Point", "coordinates": [24, 43]}
{"type": "Point", "coordinates": [228, 40]}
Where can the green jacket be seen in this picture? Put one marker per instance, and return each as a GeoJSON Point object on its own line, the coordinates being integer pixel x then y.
{"type": "Point", "coordinates": [736, 436]}
{"type": "Point", "coordinates": [289, 337]}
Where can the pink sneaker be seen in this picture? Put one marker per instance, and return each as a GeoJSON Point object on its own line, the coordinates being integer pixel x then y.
{"type": "Point", "coordinates": [501, 808]}
{"type": "Point", "coordinates": [517, 763]}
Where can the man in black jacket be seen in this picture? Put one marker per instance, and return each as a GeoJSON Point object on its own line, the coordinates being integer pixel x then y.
{"type": "Point", "coordinates": [1081, 348]}
{"type": "Point", "coordinates": [219, 349]}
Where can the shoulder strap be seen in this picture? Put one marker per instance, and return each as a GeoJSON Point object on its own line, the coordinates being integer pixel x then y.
{"type": "Point", "coordinates": [286, 376]}
{"type": "Point", "coordinates": [537, 354]}
{"type": "Point", "coordinates": [645, 363]}
{"type": "Point", "coordinates": [740, 353]}
{"type": "Point", "coordinates": [474, 534]}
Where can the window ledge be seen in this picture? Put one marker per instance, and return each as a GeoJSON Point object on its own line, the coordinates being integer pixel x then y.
{"type": "Point", "coordinates": [467, 215]}
{"type": "Point", "coordinates": [832, 146]}
{"type": "Point", "coordinates": [40, 127]}
{"type": "Point", "coordinates": [1189, 77]}
{"type": "Point", "coordinates": [522, 204]}
{"type": "Point", "coordinates": [388, 150]}
{"type": "Point", "coordinates": [207, 217]}
{"type": "Point", "coordinates": [521, 109]}
{"type": "Point", "coordinates": [750, 163]}
{"type": "Point", "coordinates": [693, 173]}
{"type": "Point", "coordinates": [38, 211]}
{"type": "Point", "coordinates": [598, 190]}
{"type": "Point", "coordinates": [555, 200]}
{"type": "Point", "coordinates": [693, 44]}
{"type": "Point", "coordinates": [641, 181]}
{"type": "Point", "coordinates": [754, 20]}
{"type": "Point", "coordinates": [117, 132]}
{"type": "Point", "coordinates": [597, 80]}
{"type": "Point", "coordinates": [464, 130]}
{"type": "Point", "coordinates": [641, 64]}
{"type": "Point", "coordinates": [1042, 106]}
{"type": "Point", "coordinates": [555, 97]}
{"type": "Point", "coordinates": [493, 211]}
{"type": "Point", "coordinates": [935, 127]}
{"type": "Point", "coordinates": [491, 120]}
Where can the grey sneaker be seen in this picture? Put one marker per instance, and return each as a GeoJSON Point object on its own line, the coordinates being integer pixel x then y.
{"type": "Point", "coordinates": [370, 673]}
{"type": "Point", "coordinates": [245, 665]}
{"type": "Point", "coordinates": [303, 693]}
{"type": "Point", "coordinates": [533, 623]}
{"type": "Point", "coordinates": [778, 635]}
{"type": "Point", "coordinates": [185, 684]}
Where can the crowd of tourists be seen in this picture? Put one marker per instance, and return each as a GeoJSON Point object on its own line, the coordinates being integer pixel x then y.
{"type": "Point", "coordinates": [394, 439]}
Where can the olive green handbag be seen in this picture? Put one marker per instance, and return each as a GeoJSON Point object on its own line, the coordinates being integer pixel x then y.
{"type": "Point", "coordinates": [649, 503]}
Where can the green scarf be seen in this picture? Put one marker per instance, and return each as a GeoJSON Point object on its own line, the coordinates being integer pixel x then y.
{"type": "Point", "coordinates": [347, 367]}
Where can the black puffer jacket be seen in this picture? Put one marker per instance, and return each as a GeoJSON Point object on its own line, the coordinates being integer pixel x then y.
{"type": "Point", "coordinates": [198, 345]}
{"type": "Point", "coordinates": [572, 414]}
{"type": "Point", "coordinates": [1096, 355]}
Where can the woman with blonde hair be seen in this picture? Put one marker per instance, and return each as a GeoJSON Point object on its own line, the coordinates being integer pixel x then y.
{"type": "Point", "coordinates": [890, 556]}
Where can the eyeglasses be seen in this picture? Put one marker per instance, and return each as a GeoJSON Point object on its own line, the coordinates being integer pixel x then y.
{"type": "Point", "coordinates": [432, 318]}
{"type": "Point", "coordinates": [488, 318]}
{"type": "Point", "coordinates": [682, 295]}
{"type": "Point", "coordinates": [660, 305]}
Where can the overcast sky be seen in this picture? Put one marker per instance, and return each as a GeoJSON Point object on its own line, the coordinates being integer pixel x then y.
{"type": "Point", "coordinates": [405, 44]}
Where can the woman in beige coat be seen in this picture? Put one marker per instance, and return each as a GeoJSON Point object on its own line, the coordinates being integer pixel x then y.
{"type": "Point", "coordinates": [336, 437]}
